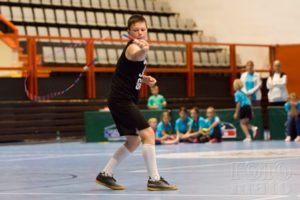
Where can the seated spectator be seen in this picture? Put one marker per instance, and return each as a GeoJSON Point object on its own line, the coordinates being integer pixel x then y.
{"type": "Point", "coordinates": [182, 124]}
{"type": "Point", "coordinates": [194, 127]}
{"type": "Point", "coordinates": [194, 132]}
{"type": "Point", "coordinates": [292, 107]}
{"type": "Point", "coordinates": [164, 131]}
{"type": "Point", "coordinates": [213, 124]}
{"type": "Point", "coordinates": [156, 101]}
{"type": "Point", "coordinates": [203, 129]}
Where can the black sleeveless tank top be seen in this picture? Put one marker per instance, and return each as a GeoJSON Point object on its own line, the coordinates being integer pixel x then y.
{"type": "Point", "coordinates": [127, 79]}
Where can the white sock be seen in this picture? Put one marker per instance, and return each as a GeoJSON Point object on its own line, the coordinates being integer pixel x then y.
{"type": "Point", "coordinates": [149, 155]}
{"type": "Point", "coordinates": [118, 156]}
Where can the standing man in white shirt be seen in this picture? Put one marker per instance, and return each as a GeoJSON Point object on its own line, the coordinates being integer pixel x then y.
{"type": "Point", "coordinates": [252, 83]}
{"type": "Point", "coordinates": [276, 85]}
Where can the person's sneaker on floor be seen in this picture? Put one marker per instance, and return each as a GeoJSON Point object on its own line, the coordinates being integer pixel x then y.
{"type": "Point", "coordinates": [108, 181]}
{"type": "Point", "coordinates": [288, 139]}
{"type": "Point", "coordinates": [255, 131]}
{"type": "Point", "coordinates": [161, 184]}
{"type": "Point", "coordinates": [297, 139]}
{"type": "Point", "coordinates": [215, 140]}
{"type": "Point", "coordinates": [247, 139]}
{"type": "Point", "coordinates": [196, 140]}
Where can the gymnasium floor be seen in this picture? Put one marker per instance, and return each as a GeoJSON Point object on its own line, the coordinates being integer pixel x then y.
{"type": "Point", "coordinates": [231, 170]}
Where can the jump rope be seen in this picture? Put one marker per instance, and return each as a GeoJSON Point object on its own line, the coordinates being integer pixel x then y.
{"type": "Point", "coordinates": [57, 93]}
{"type": "Point", "coordinates": [73, 84]}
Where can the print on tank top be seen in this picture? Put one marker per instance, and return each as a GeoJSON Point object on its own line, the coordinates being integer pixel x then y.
{"type": "Point", "coordinates": [139, 81]}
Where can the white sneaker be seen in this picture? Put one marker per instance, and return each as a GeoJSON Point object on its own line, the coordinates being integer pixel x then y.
{"type": "Point", "coordinates": [247, 139]}
{"type": "Point", "coordinates": [255, 131]}
{"type": "Point", "coordinates": [288, 139]}
{"type": "Point", "coordinates": [297, 139]}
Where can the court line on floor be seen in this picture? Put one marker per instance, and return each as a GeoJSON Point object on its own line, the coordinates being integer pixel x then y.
{"type": "Point", "coordinates": [224, 171]}
{"type": "Point", "coordinates": [271, 197]}
{"type": "Point", "coordinates": [138, 194]}
{"type": "Point", "coordinates": [215, 164]}
{"type": "Point", "coordinates": [54, 156]}
{"type": "Point", "coordinates": [43, 157]}
{"type": "Point", "coordinates": [109, 154]}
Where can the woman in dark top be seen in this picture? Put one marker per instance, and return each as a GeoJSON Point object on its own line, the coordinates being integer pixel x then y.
{"type": "Point", "coordinates": [122, 102]}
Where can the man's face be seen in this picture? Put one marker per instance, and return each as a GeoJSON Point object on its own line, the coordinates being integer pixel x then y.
{"type": "Point", "coordinates": [138, 30]}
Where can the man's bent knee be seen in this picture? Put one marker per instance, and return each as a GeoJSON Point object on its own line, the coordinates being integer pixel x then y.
{"type": "Point", "coordinates": [147, 136]}
{"type": "Point", "coordinates": [132, 143]}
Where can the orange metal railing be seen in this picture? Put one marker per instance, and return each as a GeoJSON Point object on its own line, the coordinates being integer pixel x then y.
{"type": "Point", "coordinates": [34, 68]}
{"type": "Point", "coordinates": [10, 39]}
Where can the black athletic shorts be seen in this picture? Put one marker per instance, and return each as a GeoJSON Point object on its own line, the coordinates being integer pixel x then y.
{"type": "Point", "coordinates": [246, 112]}
{"type": "Point", "coordinates": [127, 117]}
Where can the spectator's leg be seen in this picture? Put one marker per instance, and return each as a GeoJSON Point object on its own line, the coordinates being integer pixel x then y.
{"type": "Point", "coordinates": [216, 136]}
{"type": "Point", "coordinates": [204, 138]}
{"type": "Point", "coordinates": [297, 123]}
{"type": "Point", "coordinates": [158, 141]}
{"type": "Point", "coordinates": [290, 129]}
{"type": "Point", "coordinates": [184, 137]}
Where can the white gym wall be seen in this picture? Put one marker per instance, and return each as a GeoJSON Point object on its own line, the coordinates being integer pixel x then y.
{"type": "Point", "coordinates": [245, 21]}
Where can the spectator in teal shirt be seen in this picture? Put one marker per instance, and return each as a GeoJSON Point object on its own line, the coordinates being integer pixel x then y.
{"type": "Point", "coordinates": [292, 108]}
{"type": "Point", "coordinates": [156, 101]}
{"type": "Point", "coordinates": [213, 125]}
{"type": "Point", "coordinates": [194, 129]}
{"type": "Point", "coordinates": [164, 131]}
{"type": "Point", "coordinates": [182, 124]}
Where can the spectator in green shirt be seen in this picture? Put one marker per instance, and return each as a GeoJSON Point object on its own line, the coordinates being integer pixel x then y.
{"type": "Point", "coordinates": [156, 101]}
